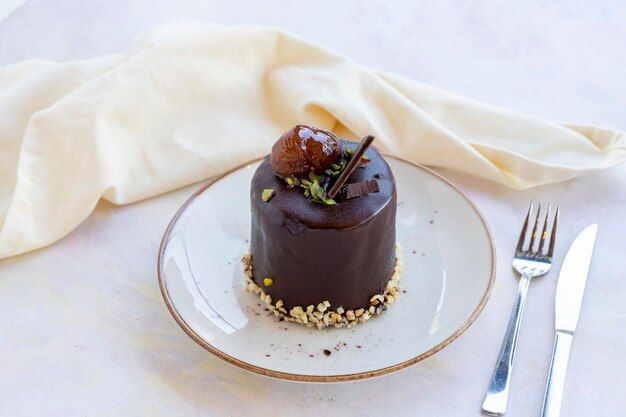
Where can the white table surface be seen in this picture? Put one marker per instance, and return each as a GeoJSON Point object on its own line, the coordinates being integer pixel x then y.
{"type": "Point", "coordinates": [84, 331]}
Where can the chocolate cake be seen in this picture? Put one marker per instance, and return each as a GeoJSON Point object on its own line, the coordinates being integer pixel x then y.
{"type": "Point", "coordinates": [323, 241]}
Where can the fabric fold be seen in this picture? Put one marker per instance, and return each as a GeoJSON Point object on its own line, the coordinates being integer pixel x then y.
{"type": "Point", "coordinates": [189, 101]}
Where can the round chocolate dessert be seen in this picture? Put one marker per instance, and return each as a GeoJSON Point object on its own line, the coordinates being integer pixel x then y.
{"type": "Point", "coordinates": [323, 251]}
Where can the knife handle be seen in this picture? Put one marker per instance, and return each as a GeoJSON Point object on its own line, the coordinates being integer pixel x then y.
{"type": "Point", "coordinates": [556, 376]}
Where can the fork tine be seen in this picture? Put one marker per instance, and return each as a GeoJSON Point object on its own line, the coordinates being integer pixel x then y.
{"type": "Point", "coordinates": [544, 232]}
{"type": "Point", "coordinates": [534, 235]}
{"type": "Point", "coordinates": [522, 236]}
{"type": "Point", "coordinates": [553, 234]}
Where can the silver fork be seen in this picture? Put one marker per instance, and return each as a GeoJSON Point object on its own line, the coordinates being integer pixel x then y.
{"type": "Point", "coordinates": [529, 263]}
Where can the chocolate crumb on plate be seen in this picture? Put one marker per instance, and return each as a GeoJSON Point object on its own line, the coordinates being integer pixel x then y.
{"type": "Point", "coordinates": [327, 352]}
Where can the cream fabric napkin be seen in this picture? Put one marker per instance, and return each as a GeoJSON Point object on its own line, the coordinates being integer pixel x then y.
{"type": "Point", "coordinates": [191, 100]}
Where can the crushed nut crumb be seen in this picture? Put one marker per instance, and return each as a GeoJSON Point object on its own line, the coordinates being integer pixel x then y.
{"type": "Point", "coordinates": [321, 315]}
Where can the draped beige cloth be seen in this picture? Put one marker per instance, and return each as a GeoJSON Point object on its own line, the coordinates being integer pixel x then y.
{"type": "Point", "coordinates": [191, 100]}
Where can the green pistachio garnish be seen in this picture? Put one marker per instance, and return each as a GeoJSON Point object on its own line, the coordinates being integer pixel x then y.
{"type": "Point", "coordinates": [267, 194]}
{"type": "Point", "coordinates": [314, 177]}
{"type": "Point", "coordinates": [317, 191]}
{"type": "Point", "coordinates": [312, 187]}
{"type": "Point", "coordinates": [365, 158]}
{"type": "Point", "coordinates": [318, 195]}
{"type": "Point", "coordinates": [268, 281]}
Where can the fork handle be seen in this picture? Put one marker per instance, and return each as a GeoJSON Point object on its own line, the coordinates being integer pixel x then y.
{"type": "Point", "coordinates": [498, 392]}
{"type": "Point", "coordinates": [556, 376]}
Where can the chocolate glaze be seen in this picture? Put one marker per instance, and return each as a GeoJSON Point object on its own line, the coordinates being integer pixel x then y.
{"type": "Point", "coordinates": [342, 253]}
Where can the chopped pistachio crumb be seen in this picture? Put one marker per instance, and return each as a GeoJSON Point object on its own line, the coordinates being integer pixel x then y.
{"type": "Point", "coordinates": [268, 281]}
{"type": "Point", "coordinates": [349, 151]}
{"type": "Point", "coordinates": [317, 191]}
{"type": "Point", "coordinates": [267, 194]}
{"type": "Point", "coordinates": [365, 158]}
{"type": "Point", "coordinates": [314, 177]}
{"type": "Point", "coordinates": [290, 181]}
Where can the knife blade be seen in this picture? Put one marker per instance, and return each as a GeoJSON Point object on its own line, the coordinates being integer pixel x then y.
{"type": "Point", "coordinates": [569, 297]}
{"type": "Point", "coordinates": [572, 280]}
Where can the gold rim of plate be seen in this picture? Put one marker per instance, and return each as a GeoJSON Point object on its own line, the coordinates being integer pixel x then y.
{"type": "Point", "coordinates": [322, 378]}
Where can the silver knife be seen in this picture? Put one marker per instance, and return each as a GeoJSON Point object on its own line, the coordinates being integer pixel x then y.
{"type": "Point", "coordinates": [569, 297]}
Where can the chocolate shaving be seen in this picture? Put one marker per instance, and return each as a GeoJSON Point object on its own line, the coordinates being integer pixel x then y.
{"type": "Point", "coordinates": [360, 189]}
{"type": "Point", "coordinates": [352, 165]}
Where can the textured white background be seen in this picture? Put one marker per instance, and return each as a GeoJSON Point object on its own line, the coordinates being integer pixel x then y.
{"type": "Point", "coordinates": [84, 331]}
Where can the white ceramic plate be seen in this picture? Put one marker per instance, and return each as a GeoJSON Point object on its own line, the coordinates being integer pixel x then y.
{"type": "Point", "coordinates": [449, 270]}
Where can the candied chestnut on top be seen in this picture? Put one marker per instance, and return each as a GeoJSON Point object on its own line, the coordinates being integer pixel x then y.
{"type": "Point", "coordinates": [304, 149]}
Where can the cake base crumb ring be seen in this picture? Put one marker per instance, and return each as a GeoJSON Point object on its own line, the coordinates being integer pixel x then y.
{"type": "Point", "coordinates": [321, 315]}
